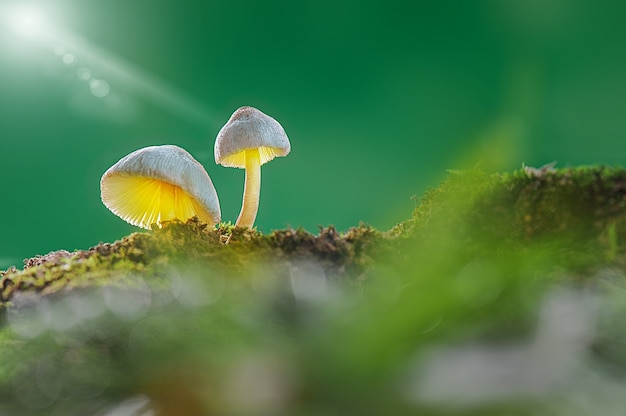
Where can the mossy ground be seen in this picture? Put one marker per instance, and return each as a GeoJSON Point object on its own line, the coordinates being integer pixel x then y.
{"type": "Point", "coordinates": [342, 255]}
{"type": "Point", "coordinates": [584, 206]}
{"type": "Point", "coordinates": [226, 321]}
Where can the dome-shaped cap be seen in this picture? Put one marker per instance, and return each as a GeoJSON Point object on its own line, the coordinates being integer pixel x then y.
{"type": "Point", "coordinates": [247, 129]}
{"type": "Point", "coordinates": [157, 184]}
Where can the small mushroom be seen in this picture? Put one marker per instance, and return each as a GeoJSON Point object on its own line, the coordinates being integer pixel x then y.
{"type": "Point", "coordinates": [157, 184]}
{"type": "Point", "coordinates": [248, 140]}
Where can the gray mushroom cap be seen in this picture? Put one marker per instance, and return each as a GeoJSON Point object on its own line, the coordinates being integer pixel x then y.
{"type": "Point", "coordinates": [247, 129]}
{"type": "Point", "coordinates": [159, 183]}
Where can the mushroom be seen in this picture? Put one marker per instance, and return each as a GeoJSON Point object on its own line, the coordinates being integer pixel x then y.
{"type": "Point", "coordinates": [157, 184]}
{"type": "Point", "coordinates": [248, 140]}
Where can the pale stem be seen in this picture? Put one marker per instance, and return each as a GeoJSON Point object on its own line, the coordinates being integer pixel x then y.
{"type": "Point", "coordinates": [251, 190]}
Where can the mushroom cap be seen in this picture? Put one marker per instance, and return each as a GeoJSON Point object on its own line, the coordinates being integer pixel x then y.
{"type": "Point", "coordinates": [247, 129]}
{"type": "Point", "coordinates": [157, 184]}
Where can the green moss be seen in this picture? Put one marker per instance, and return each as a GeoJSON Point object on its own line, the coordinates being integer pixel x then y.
{"type": "Point", "coordinates": [580, 212]}
{"type": "Point", "coordinates": [335, 319]}
{"type": "Point", "coordinates": [149, 254]}
{"type": "Point", "coordinates": [582, 206]}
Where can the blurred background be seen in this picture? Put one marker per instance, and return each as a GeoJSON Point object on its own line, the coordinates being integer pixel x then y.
{"type": "Point", "coordinates": [379, 99]}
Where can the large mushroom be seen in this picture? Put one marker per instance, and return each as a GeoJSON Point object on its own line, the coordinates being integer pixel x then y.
{"type": "Point", "coordinates": [248, 140]}
{"type": "Point", "coordinates": [157, 184]}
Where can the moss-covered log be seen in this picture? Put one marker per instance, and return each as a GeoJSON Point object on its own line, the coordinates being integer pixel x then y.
{"type": "Point", "coordinates": [191, 320]}
{"type": "Point", "coordinates": [150, 254]}
{"type": "Point", "coordinates": [584, 206]}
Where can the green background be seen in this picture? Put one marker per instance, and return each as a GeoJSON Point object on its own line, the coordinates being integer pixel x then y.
{"type": "Point", "coordinates": [379, 99]}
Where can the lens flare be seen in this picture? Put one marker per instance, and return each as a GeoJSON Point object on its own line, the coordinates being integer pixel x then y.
{"type": "Point", "coordinates": [30, 25]}
{"type": "Point", "coordinates": [26, 21]}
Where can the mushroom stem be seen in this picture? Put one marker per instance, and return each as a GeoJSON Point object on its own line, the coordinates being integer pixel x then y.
{"type": "Point", "coordinates": [251, 190]}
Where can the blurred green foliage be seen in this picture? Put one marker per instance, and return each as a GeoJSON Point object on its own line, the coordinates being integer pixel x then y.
{"type": "Point", "coordinates": [502, 294]}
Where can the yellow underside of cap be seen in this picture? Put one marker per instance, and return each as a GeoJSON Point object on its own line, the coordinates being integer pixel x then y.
{"type": "Point", "coordinates": [238, 160]}
{"type": "Point", "coordinates": [143, 201]}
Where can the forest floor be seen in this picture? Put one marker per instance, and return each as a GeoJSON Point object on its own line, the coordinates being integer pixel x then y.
{"type": "Point", "coordinates": [500, 289]}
